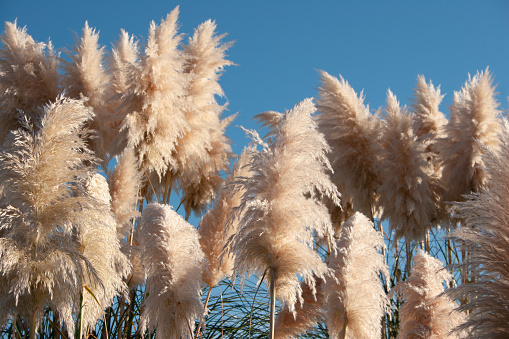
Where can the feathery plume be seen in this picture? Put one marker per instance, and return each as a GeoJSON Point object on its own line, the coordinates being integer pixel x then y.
{"type": "Point", "coordinates": [485, 236]}
{"type": "Point", "coordinates": [428, 126]}
{"type": "Point", "coordinates": [156, 99]}
{"type": "Point", "coordinates": [355, 298]}
{"type": "Point", "coordinates": [474, 119]}
{"type": "Point", "coordinates": [292, 324]}
{"type": "Point", "coordinates": [85, 77]}
{"type": "Point", "coordinates": [55, 237]}
{"type": "Point", "coordinates": [427, 313]}
{"type": "Point", "coordinates": [173, 260]}
{"type": "Point", "coordinates": [220, 223]}
{"type": "Point", "coordinates": [203, 151]}
{"type": "Point", "coordinates": [428, 120]}
{"type": "Point", "coordinates": [281, 207]}
{"type": "Point", "coordinates": [406, 196]}
{"type": "Point", "coordinates": [352, 133]}
{"type": "Point", "coordinates": [28, 77]}
{"type": "Point", "coordinates": [124, 184]}
{"type": "Point", "coordinates": [121, 62]}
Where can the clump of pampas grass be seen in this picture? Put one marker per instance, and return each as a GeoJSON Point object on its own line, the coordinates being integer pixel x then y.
{"type": "Point", "coordinates": [352, 133]}
{"type": "Point", "coordinates": [173, 260]}
{"type": "Point", "coordinates": [281, 207]}
{"type": "Point", "coordinates": [427, 313]}
{"type": "Point", "coordinates": [474, 121]}
{"type": "Point", "coordinates": [56, 237]}
{"type": "Point", "coordinates": [28, 77]}
{"type": "Point", "coordinates": [355, 298]}
{"type": "Point", "coordinates": [485, 236]}
{"type": "Point", "coordinates": [406, 195]}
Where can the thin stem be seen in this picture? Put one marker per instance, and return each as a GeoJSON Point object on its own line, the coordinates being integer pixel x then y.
{"type": "Point", "coordinates": [204, 312]}
{"type": "Point", "coordinates": [272, 301]}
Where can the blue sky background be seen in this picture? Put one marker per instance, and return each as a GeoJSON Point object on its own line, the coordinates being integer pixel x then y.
{"type": "Point", "coordinates": [280, 45]}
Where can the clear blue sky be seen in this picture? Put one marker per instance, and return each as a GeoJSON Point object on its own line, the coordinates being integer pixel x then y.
{"type": "Point", "coordinates": [279, 45]}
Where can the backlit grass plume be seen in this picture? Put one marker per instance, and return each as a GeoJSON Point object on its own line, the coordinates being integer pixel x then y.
{"type": "Point", "coordinates": [121, 62]}
{"type": "Point", "coordinates": [204, 150]}
{"type": "Point", "coordinates": [28, 76]}
{"type": "Point", "coordinates": [355, 299]}
{"type": "Point", "coordinates": [427, 312]}
{"type": "Point", "coordinates": [155, 100]}
{"type": "Point", "coordinates": [220, 223]}
{"type": "Point", "coordinates": [485, 236]}
{"type": "Point", "coordinates": [352, 133]}
{"type": "Point", "coordinates": [173, 260]}
{"type": "Point", "coordinates": [56, 239]}
{"type": "Point", "coordinates": [282, 209]}
{"type": "Point", "coordinates": [474, 120]}
{"type": "Point", "coordinates": [293, 324]}
{"type": "Point", "coordinates": [85, 76]}
{"type": "Point", "coordinates": [406, 195]}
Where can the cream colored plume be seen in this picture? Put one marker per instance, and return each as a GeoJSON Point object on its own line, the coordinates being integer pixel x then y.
{"type": "Point", "coordinates": [85, 76]}
{"type": "Point", "coordinates": [57, 238]}
{"type": "Point", "coordinates": [484, 236]}
{"type": "Point", "coordinates": [156, 99]}
{"type": "Point", "coordinates": [173, 260]}
{"type": "Point", "coordinates": [281, 208]}
{"type": "Point", "coordinates": [122, 63]}
{"type": "Point", "coordinates": [28, 77]}
{"type": "Point", "coordinates": [406, 195]}
{"type": "Point", "coordinates": [124, 184]}
{"type": "Point", "coordinates": [293, 324]}
{"type": "Point", "coordinates": [355, 298]}
{"type": "Point", "coordinates": [220, 223]}
{"type": "Point", "coordinates": [426, 312]}
{"type": "Point", "coordinates": [474, 120]}
{"type": "Point", "coordinates": [352, 133]}
{"type": "Point", "coordinates": [203, 151]}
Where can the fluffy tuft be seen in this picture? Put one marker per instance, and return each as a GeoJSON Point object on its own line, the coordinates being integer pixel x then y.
{"type": "Point", "coordinates": [355, 299]}
{"type": "Point", "coordinates": [282, 209]}
{"type": "Point", "coordinates": [427, 312]}
{"type": "Point", "coordinates": [406, 195]}
{"type": "Point", "coordinates": [173, 260]}
{"type": "Point", "coordinates": [352, 133]}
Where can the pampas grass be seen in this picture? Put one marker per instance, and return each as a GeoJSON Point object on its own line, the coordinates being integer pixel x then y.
{"type": "Point", "coordinates": [203, 151]}
{"type": "Point", "coordinates": [355, 299]}
{"type": "Point", "coordinates": [56, 238]}
{"type": "Point", "coordinates": [352, 133]}
{"type": "Point", "coordinates": [485, 236]}
{"type": "Point", "coordinates": [28, 76]}
{"type": "Point", "coordinates": [292, 324]}
{"type": "Point", "coordinates": [427, 313]}
{"type": "Point", "coordinates": [156, 99]}
{"type": "Point", "coordinates": [474, 121]}
{"type": "Point", "coordinates": [281, 207]}
{"type": "Point", "coordinates": [406, 195]}
{"type": "Point", "coordinates": [173, 260]}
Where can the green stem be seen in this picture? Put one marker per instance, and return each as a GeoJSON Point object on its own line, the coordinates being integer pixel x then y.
{"type": "Point", "coordinates": [272, 301]}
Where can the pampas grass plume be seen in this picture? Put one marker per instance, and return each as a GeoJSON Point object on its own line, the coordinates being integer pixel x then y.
{"type": "Point", "coordinates": [355, 298]}
{"type": "Point", "coordinates": [173, 259]}
{"type": "Point", "coordinates": [281, 206]}
{"type": "Point", "coordinates": [406, 197]}
{"type": "Point", "coordinates": [427, 312]}
{"type": "Point", "coordinates": [485, 236]}
{"type": "Point", "coordinates": [474, 121]}
{"type": "Point", "coordinates": [28, 76]}
{"type": "Point", "coordinates": [352, 133]}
